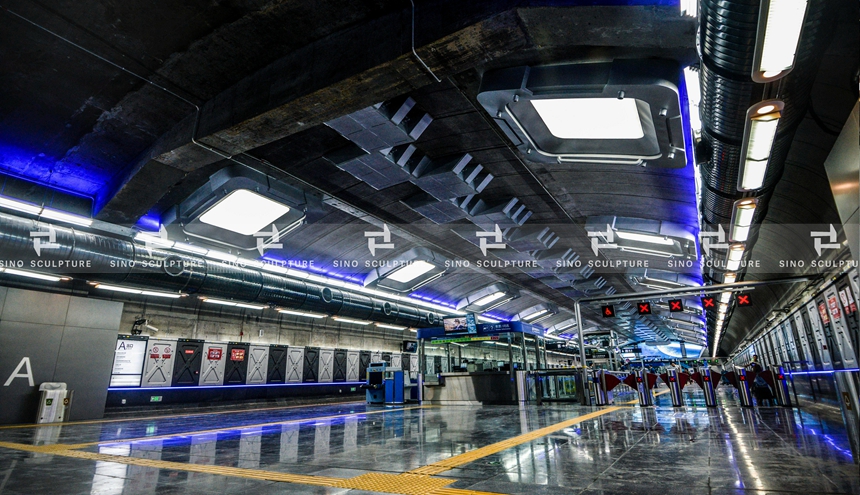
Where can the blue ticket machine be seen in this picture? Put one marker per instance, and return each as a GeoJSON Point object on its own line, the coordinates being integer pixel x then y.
{"type": "Point", "coordinates": [374, 388]}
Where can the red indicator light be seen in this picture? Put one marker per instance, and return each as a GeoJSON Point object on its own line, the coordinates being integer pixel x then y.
{"type": "Point", "coordinates": [644, 308]}
{"type": "Point", "coordinates": [742, 378]}
{"type": "Point", "coordinates": [608, 311]}
{"type": "Point", "coordinates": [706, 378]}
{"type": "Point", "coordinates": [744, 300]}
{"type": "Point", "coordinates": [709, 303]}
{"type": "Point", "coordinates": [676, 305]}
{"type": "Point", "coordinates": [781, 377]}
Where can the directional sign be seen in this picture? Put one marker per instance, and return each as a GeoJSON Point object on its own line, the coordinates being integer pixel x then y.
{"type": "Point", "coordinates": [608, 311]}
{"type": "Point", "coordinates": [744, 300]}
{"type": "Point", "coordinates": [643, 308]}
{"type": "Point", "coordinates": [676, 305]}
{"type": "Point", "coordinates": [709, 302]}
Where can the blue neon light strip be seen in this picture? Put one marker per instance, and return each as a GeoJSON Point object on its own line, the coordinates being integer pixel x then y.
{"type": "Point", "coordinates": [210, 387]}
{"type": "Point", "coordinates": [826, 372]}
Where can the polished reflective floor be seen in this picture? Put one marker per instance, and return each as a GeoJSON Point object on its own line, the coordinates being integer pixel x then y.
{"type": "Point", "coordinates": [352, 448]}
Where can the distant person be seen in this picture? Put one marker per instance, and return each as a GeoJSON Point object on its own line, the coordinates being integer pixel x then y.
{"type": "Point", "coordinates": [762, 391]}
{"type": "Point", "coordinates": [755, 365]}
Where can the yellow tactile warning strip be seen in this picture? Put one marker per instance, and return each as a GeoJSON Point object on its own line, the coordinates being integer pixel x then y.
{"type": "Point", "coordinates": [473, 455]}
{"type": "Point", "coordinates": [406, 484]}
{"type": "Point", "coordinates": [172, 416]}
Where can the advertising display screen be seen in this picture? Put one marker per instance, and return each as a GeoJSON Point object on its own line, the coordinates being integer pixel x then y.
{"type": "Point", "coordinates": [460, 324]}
{"type": "Point", "coordinates": [129, 355]}
{"type": "Point", "coordinates": [410, 346]}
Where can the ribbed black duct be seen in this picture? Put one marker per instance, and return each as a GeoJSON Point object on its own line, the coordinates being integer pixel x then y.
{"type": "Point", "coordinates": [119, 261]}
{"type": "Point", "coordinates": [727, 37]}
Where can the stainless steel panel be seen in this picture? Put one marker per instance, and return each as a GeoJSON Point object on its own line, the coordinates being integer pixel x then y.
{"type": "Point", "coordinates": [295, 364]}
{"type": "Point", "coordinates": [158, 371]}
{"type": "Point", "coordinates": [352, 362]}
{"type": "Point", "coordinates": [818, 335]}
{"type": "Point", "coordinates": [212, 367]}
{"type": "Point", "coordinates": [326, 366]}
{"type": "Point", "coordinates": [258, 364]}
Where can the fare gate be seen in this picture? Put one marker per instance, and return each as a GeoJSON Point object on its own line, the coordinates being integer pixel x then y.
{"type": "Point", "coordinates": [236, 365]}
{"type": "Point", "coordinates": [311, 365]}
{"type": "Point", "coordinates": [644, 386]}
{"type": "Point", "coordinates": [212, 369]}
{"type": "Point", "coordinates": [676, 381]}
{"type": "Point", "coordinates": [295, 364]}
{"type": "Point", "coordinates": [340, 365]}
{"type": "Point", "coordinates": [326, 366]}
{"type": "Point", "coordinates": [186, 364]}
{"type": "Point", "coordinates": [353, 362]}
{"type": "Point", "coordinates": [160, 355]}
{"type": "Point", "coordinates": [744, 384]}
{"type": "Point", "coordinates": [780, 386]}
{"type": "Point", "coordinates": [276, 372]}
{"type": "Point", "coordinates": [258, 364]}
{"type": "Point", "coordinates": [709, 380]}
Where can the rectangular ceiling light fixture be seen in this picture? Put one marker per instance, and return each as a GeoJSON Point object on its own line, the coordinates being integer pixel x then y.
{"type": "Point", "coordinates": [131, 290]}
{"type": "Point", "coordinates": [759, 134]}
{"type": "Point", "coordinates": [590, 118]}
{"type": "Point", "coordinates": [34, 275]}
{"type": "Point", "coordinates": [736, 253]}
{"type": "Point", "coordinates": [232, 303]}
{"type": "Point", "coordinates": [488, 298]}
{"type": "Point", "coordinates": [537, 313]}
{"type": "Point", "coordinates": [742, 217]}
{"type": "Point", "coordinates": [408, 271]}
{"type": "Point", "coordinates": [730, 278]}
{"type": "Point", "coordinates": [620, 112]}
{"type": "Point", "coordinates": [644, 236]}
{"type": "Point", "coordinates": [244, 212]}
{"type": "Point", "coordinates": [48, 213]}
{"type": "Point", "coordinates": [390, 327]}
{"type": "Point", "coordinates": [780, 23]}
{"type": "Point", "coordinates": [353, 322]}
{"type": "Point", "coordinates": [301, 313]}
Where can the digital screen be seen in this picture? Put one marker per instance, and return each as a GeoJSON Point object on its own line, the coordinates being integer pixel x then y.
{"type": "Point", "coordinates": [410, 346]}
{"type": "Point", "coordinates": [460, 324]}
{"type": "Point", "coordinates": [129, 355]}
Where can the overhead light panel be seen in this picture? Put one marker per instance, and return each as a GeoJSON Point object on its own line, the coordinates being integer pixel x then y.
{"type": "Point", "coordinates": [232, 303]}
{"type": "Point", "coordinates": [301, 313]}
{"type": "Point", "coordinates": [646, 238]}
{"type": "Point", "coordinates": [408, 271]}
{"type": "Point", "coordinates": [131, 290]}
{"type": "Point", "coordinates": [244, 212]}
{"type": "Point", "coordinates": [537, 313]}
{"type": "Point", "coordinates": [34, 275]}
{"type": "Point", "coordinates": [780, 23]}
{"type": "Point", "coordinates": [488, 298]}
{"type": "Point", "coordinates": [21, 206]}
{"type": "Point", "coordinates": [730, 277]}
{"type": "Point", "coordinates": [390, 327]}
{"type": "Point", "coordinates": [66, 217]}
{"type": "Point", "coordinates": [759, 134]}
{"type": "Point", "coordinates": [153, 240]}
{"type": "Point", "coordinates": [735, 255]}
{"type": "Point", "coordinates": [725, 297]}
{"type": "Point", "coordinates": [590, 118]}
{"type": "Point", "coordinates": [411, 271]}
{"type": "Point", "coordinates": [742, 217]}
{"type": "Point", "coordinates": [353, 322]}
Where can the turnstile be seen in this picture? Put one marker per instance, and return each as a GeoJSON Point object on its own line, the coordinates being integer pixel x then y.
{"type": "Point", "coordinates": [258, 364]}
{"type": "Point", "coordinates": [353, 365]}
{"type": "Point", "coordinates": [339, 372]}
{"type": "Point", "coordinates": [644, 385]}
{"type": "Point", "coordinates": [160, 355]}
{"type": "Point", "coordinates": [213, 363]}
{"type": "Point", "coordinates": [276, 372]}
{"type": "Point", "coordinates": [363, 363]}
{"type": "Point", "coordinates": [710, 380]}
{"type": "Point", "coordinates": [295, 364]}
{"type": "Point", "coordinates": [602, 396]}
{"type": "Point", "coordinates": [744, 384]}
{"type": "Point", "coordinates": [236, 363]}
{"type": "Point", "coordinates": [675, 387]}
{"type": "Point", "coordinates": [311, 365]}
{"type": "Point", "coordinates": [186, 364]}
{"type": "Point", "coordinates": [326, 366]}
{"type": "Point", "coordinates": [780, 386]}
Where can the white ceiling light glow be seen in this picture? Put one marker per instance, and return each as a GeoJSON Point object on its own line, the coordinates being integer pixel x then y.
{"type": "Point", "coordinates": [232, 303]}
{"type": "Point", "coordinates": [244, 212]}
{"type": "Point", "coordinates": [651, 239]}
{"type": "Point", "coordinates": [411, 271]}
{"type": "Point", "coordinates": [590, 118]}
{"type": "Point", "coordinates": [301, 313]}
{"type": "Point", "coordinates": [779, 28]}
{"type": "Point", "coordinates": [736, 253]}
{"type": "Point", "coordinates": [759, 135]}
{"type": "Point", "coordinates": [131, 290]}
{"type": "Point", "coordinates": [34, 275]}
{"type": "Point", "coordinates": [489, 299]}
{"type": "Point", "coordinates": [353, 322]}
{"type": "Point", "coordinates": [742, 217]}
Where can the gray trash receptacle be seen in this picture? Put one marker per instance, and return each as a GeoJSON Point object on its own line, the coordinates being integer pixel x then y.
{"type": "Point", "coordinates": [54, 402]}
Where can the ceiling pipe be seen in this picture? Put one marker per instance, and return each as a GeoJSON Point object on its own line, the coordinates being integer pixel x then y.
{"type": "Point", "coordinates": [123, 262]}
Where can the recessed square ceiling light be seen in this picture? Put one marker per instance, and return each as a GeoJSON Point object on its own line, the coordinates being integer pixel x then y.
{"type": "Point", "coordinates": [411, 271]}
{"type": "Point", "coordinates": [244, 212]}
{"type": "Point", "coordinates": [590, 118]}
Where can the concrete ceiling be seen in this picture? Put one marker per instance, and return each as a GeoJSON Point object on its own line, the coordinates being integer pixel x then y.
{"type": "Point", "coordinates": [136, 106]}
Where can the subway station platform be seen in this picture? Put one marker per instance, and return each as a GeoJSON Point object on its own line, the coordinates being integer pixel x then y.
{"type": "Point", "coordinates": [450, 450]}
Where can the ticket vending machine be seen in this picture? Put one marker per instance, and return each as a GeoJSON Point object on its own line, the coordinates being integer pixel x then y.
{"type": "Point", "coordinates": [186, 364]}
{"type": "Point", "coordinates": [258, 364]}
{"type": "Point", "coordinates": [276, 372]}
{"type": "Point", "coordinates": [295, 364]}
{"type": "Point", "coordinates": [160, 355]}
{"type": "Point", "coordinates": [236, 365]}
{"type": "Point", "coordinates": [340, 362]}
{"type": "Point", "coordinates": [326, 366]}
{"type": "Point", "coordinates": [212, 369]}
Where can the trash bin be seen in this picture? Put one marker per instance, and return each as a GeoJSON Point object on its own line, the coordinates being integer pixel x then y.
{"type": "Point", "coordinates": [54, 402]}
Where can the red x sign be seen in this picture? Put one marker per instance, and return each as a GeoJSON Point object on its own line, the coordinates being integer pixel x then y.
{"type": "Point", "coordinates": [608, 311]}
{"type": "Point", "coordinates": [709, 303]}
{"type": "Point", "coordinates": [676, 305]}
{"type": "Point", "coordinates": [644, 308]}
{"type": "Point", "coordinates": [744, 300]}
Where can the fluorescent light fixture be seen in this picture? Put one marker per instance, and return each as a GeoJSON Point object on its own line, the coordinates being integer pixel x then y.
{"type": "Point", "coordinates": [759, 133]}
{"type": "Point", "coordinates": [66, 217]}
{"type": "Point", "coordinates": [232, 303]}
{"type": "Point", "coordinates": [651, 239]}
{"type": "Point", "coordinates": [411, 271]}
{"type": "Point", "coordinates": [413, 330]}
{"type": "Point", "coordinates": [725, 297]}
{"type": "Point", "coordinates": [390, 327]}
{"type": "Point", "coordinates": [244, 212]}
{"type": "Point", "coordinates": [736, 253]}
{"type": "Point", "coordinates": [690, 8]}
{"type": "Point", "coordinates": [724, 308]}
{"type": "Point", "coordinates": [218, 255]}
{"type": "Point", "coordinates": [650, 252]}
{"type": "Point", "coordinates": [20, 206]}
{"type": "Point", "coordinates": [153, 240]}
{"type": "Point", "coordinates": [534, 315]}
{"type": "Point", "coordinates": [779, 26]}
{"type": "Point", "coordinates": [301, 313]}
{"type": "Point", "coordinates": [495, 296]}
{"type": "Point", "coordinates": [354, 322]}
{"type": "Point", "coordinates": [730, 278]}
{"type": "Point", "coordinates": [131, 290]}
{"type": "Point", "coordinates": [189, 248]}
{"type": "Point", "coordinates": [742, 217]}
{"type": "Point", "coordinates": [590, 118]}
{"type": "Point", "coordinates": [37, 276]}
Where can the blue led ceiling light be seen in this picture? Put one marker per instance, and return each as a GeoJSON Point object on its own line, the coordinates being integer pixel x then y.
{"type": "Point", "coordinates": [622, 112]}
